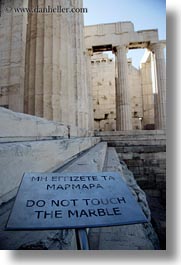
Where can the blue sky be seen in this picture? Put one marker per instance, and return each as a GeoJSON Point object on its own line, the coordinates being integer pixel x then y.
{"type": "Point", "coordinates": [145, 14]}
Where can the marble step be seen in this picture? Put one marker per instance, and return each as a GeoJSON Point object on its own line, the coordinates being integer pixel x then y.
{"type": "Point", "coordinates": [36, 156]}
{"type": "Point", "coordinates": [132, 237]}
{"type": "Point", "coordinates": [92, 161]}
{"type": "Point", "coordinates": [133, 138]}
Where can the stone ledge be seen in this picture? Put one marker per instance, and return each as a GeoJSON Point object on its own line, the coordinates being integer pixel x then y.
{"type": "Point", "coordinates": [41, 156]}
{"type": "Point", "coordinates": [23, 125]}
{"type": "Point", "coordinates": [136, 137]}
{"type": "Point", "coordinates": [93, 161]}
{"type": "Point", "coordinates": [132, 132]}
{"type": "Point", "coordinates": [120, 143]}
{"type": "Point", "coordinates": [18, 127]}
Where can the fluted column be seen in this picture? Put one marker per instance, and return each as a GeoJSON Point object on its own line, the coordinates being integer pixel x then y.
{"type": "Point", "coordinates": [79, 68]}
{"type": "Point", "coordinates": [123, 104]}
{"type": "Point", "coordinates": [48, 64]}
{"type": "Point", "coordinates": [89, 53]}
{"type": "Point", "coordinates": [38, 67]}
{"type": "Point", "coordinates": [30, 62]}
{"type": "Point", "coordinates": [158, 51]}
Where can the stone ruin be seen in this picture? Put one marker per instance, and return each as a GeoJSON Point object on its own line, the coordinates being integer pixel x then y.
{"type": "Point", "coordinates": [60, 96]}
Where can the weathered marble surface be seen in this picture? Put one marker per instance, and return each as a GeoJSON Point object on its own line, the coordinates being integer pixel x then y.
{"type": "Point", "coordinates": [16, 125]}
{"type": "Point", "coordinates": [37, 156]}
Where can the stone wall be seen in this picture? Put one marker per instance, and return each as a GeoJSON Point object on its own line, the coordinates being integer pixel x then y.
{"type": "Point", "coordinates": [146, 72]}
{"type": "Point", "coordinates": [103, 80]}
{"type": "Point", "coordinates": [104, 95]}
{"type": "Point", "coordinates": [144, 152]}
{"type": "Point", "coordinates": [135, 83]}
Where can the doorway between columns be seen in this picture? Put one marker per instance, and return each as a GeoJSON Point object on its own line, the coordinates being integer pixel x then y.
{"type": "Point", "coordinates": [104, 74]}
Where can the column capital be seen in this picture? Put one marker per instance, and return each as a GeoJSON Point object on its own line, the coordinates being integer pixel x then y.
{"type": "Point", "coordinates": [157, 46]}
{"type": "Point", "coordinates": [122, 48]}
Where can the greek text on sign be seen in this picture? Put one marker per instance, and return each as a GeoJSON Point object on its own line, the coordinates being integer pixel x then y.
{"type": "Point", "coordinates": [73, 200]}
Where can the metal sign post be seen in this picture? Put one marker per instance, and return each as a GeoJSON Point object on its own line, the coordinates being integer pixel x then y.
{"type": "Point", "coordinates": [82, 239]}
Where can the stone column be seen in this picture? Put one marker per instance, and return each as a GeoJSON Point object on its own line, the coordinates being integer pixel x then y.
{"type": "Point", "coordinates": [13, 32]}
{"type": "Point", "coordinates": [123, 105]}
{"type": "Point", "coordinates": [38, 63]}
{"type": "Point", "coordinates": [56, 35]}
{"type": "Point", "coordinates": [48, 64]}
{"type": "Point", "coordinates": [79, 68]}
{"type": "Point", "coordinates": [158, 51]}
{"type": "Point", "coordinates": [89, 53]}
{"type": "Point", "coordinates": [31, 61]}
